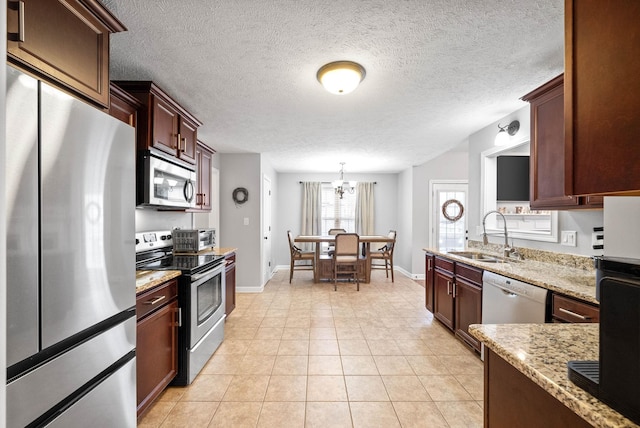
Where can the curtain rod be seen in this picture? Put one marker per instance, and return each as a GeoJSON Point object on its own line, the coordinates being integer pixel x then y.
{"type": "Point", "coordinates": [328, 182]}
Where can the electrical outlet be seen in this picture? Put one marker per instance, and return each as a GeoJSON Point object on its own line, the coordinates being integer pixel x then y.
{"type": "Point", "coordinates": [569, 238]}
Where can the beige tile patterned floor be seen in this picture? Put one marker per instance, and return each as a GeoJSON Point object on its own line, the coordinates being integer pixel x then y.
{"type": "Point", "coordinates": [304, 355]}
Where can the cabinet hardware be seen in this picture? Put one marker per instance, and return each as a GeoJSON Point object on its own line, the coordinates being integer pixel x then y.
{"type": "Point", "coordinates": [204, 199]}
{"type": "Point", "coordinates": [454, 290]}
{"type": "Point", "coordinates": [568, 312]}
{"type": "Point", "coordinates": [155, 300]}
{"type": "Point", "coordinates": [19, 6]}
{"type": "Point", "coordinates": [428, 264]}
{"type": "Point", "coordinates": [179, 317]}
{"type": "Point", "coordinates": [448, 287]}
{"type": "Point", "coordinates": [179, 139]}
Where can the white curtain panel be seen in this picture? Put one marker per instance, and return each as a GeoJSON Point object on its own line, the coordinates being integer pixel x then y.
{"type": "Point", "coordinates": [311, 210]}
{"type": "Point", "coordinates": [364, 208]}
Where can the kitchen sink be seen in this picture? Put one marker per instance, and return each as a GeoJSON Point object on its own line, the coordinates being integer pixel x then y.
{"type": "Point", "coordinates": [478, 257]}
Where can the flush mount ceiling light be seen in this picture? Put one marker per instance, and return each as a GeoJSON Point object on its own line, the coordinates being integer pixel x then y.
{"type": "Point", "coordinates": [341, 77]}
{"type": "Point", "coordinates": [505, 132]}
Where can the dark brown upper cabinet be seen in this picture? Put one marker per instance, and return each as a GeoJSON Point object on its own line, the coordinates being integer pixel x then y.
{"type": "Point", "coordinates": [65, 43]}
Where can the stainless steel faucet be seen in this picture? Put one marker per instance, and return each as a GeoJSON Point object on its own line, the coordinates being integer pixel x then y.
{"type": "Point", "coordinates": [507, 250]}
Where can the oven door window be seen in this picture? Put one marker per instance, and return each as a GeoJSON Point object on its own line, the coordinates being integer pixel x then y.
{"type": "Point", "coordinates": [209, 297]}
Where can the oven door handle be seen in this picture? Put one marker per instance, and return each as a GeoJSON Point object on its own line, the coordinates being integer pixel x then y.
{"type": "Point", "coordinates": [208, 274]}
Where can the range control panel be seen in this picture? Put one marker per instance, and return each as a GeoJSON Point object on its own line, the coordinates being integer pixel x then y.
{"type": "Point", "coordinates": [153, 240]}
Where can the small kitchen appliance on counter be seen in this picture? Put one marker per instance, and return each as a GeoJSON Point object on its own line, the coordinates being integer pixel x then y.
{"type": "Point", "coordinates": [201, 296]}
{"type": "Point", "coordinates": [615, 377]}
{"type": "Point", "coordinates": [193, 240]}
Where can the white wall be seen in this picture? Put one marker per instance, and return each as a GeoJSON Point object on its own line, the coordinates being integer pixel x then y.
{"type": "Point", "coordinates": [270, 173]}
{"type": "Point", "coordinates": [453, 165]}
{"type": "Point", "coordinates": [404, 240]}
{"type": "Point", "coordinates": [581, 221]}
{"type": "Point", "coordinates": [242, 170]}
{"type": "Point", "coordinates": [289, 206]}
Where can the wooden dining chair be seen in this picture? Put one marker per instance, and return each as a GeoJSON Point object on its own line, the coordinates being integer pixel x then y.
{"type": "Point", "coordinates": [333, 232]}
{"type": "Point", "coordinates": [345, 257]}
{"type": "Point", "coordinates": [297, 255]}
{"type": "Point", "coordinates": [385, 254]}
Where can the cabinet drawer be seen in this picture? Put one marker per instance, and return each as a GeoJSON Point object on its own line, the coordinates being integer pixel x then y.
{"type": "Point", "coordinates": [444, 264]}
{"type": "Point", "coordinates": [471, 274]}
{"type": "Point", "coordinates": [155, 298]}
{"type": "Point", "coordinates": [570, 310]}
{"type": "Point", "coordinates": [230, 260]}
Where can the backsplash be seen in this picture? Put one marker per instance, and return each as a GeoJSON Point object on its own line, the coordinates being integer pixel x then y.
{"type": "Point", "coordinates": [568, 260]}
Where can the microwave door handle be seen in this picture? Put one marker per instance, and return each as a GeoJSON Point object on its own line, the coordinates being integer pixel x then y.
{"type": "Point", "coordinates": [188, 190]}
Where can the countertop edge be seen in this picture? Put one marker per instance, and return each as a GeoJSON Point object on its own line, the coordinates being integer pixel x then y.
{"type": "Point", "coordinates": [148, 279]}
{"type": "Point", "coordinates": [591, 413]}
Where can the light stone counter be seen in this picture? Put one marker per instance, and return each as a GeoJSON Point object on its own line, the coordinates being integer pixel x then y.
{"type": "Point", "coordinates": [541, 352]}
{"type": "Point", "coordinates": [572, 281]}
{"type": "Point", "coordinates": [146, 279]}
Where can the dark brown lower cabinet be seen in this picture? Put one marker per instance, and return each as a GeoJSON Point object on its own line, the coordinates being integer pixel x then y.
{"type": "Point", "coordinates": [468, 302]}
{"type": "Point", "coordinates": [513, 400]}
{"type": "Point", "coordinates": [230, 283]}
{"type": "Point", "coordinates": [443, 305]}
{"type": "Point", "coordinates": [156, 342]}
{"type": "Point", "coordinates": [428, 281]}
{"type": "Point", "coordinates": [457, 297]}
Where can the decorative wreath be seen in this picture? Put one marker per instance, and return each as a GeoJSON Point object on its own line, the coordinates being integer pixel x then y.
{"type": "Point", "coordinates": [240, 195]}
{"type": "Point", "coordinates": [448, 216]}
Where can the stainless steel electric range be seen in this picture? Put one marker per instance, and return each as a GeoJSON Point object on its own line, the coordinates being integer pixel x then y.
{"type": "Point", "coordinates": [201, 296]}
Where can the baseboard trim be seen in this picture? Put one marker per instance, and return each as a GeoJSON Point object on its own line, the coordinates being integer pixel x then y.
{"type": "Point", "coordinates": [250, 289]}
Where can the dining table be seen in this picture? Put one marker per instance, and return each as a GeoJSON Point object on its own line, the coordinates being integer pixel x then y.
{"type": "Point", "coordinates": [323, 261]}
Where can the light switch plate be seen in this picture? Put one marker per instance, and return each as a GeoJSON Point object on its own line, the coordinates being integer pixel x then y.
{"type": "Point", "coordinates": [246, 221]}
{"type": "Point", "coordinates": [569, 238]}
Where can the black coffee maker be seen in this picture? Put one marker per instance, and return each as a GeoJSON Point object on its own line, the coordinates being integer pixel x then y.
{"type": "Point", "coordinates": [615, 377]}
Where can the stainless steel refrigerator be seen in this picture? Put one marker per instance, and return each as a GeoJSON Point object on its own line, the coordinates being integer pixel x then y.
{"type": "Point", "coordinates": [70, 185]}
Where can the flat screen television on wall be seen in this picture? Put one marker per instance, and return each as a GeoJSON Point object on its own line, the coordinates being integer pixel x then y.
{"type": "Point", "coordinates": [513, 178]}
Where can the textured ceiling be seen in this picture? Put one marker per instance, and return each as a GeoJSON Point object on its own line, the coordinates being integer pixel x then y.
{"type": "Point", "coordinates": [437, 71]}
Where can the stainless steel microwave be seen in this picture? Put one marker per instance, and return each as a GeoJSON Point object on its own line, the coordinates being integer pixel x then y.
{"type": "Point", "coordinates": [165, 184]}
{"type": "Point", "coordinates": [193, 240]}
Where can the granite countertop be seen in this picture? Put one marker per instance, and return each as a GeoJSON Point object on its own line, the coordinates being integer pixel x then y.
{"type": "Point", "coordinates": [577, 282]}
{"type": "Point", "coordinates": [541, 352]}
{"type": "Point", "coordinates": [146, 279]}
{"type": "Point", "coordinates": [223, 251]}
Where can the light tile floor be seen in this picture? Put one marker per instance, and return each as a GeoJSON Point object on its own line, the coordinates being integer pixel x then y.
{"type": "Point", "coordinates": [304, 355]}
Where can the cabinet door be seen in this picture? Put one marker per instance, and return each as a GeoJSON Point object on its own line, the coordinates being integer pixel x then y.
{"type": "Point", "coordinates": [428, 282]}
{"type": "Point", "coordinates": [602, 97]}
{"type": "Point", "coordinates": [443, 298]}
{"type": "Point", "coordinates": [156, 353]}
{"type": "Point", "coordinates": [64, 40]}
{"type": "Point", "coordinates": [123, 106]}
{"type": "Point", "coordinates": [547, 147]}
{"type": "Point", "coordinates": [188, 140]}
{"type": "Point", "coordinates": [468, 310]}
{"type": "Point", "coordinates": [230, 288]}
{"type": "Point", "coordinates": [165, 126]}
{"type": "Point", "coordinates": [204, 158]}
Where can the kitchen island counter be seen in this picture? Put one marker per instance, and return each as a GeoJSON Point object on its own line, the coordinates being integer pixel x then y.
{"type": "Point", "coordinates": [541, 351]}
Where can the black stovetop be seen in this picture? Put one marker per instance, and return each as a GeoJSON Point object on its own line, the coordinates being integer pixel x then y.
{"type": "Point", "coordinates": [187, 263]}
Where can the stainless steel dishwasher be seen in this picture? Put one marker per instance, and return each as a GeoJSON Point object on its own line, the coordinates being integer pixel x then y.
{"type": "Point", "coordinates": [509, 301]}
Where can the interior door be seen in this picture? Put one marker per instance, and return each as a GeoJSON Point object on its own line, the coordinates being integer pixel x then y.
{"type": "Point", "coordinates": [266, 230]}
{"type": "Point", "coordinates": [449, 215]}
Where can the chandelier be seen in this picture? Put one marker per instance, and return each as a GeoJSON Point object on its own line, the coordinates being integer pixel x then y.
{"type": "Point", "coordinates": [342, 186]}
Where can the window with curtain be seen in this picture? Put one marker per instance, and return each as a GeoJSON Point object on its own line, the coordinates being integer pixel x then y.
{"type": "Point", "coordinates": [336, 212]}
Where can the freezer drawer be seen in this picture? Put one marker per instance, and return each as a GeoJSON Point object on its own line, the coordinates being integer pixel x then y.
{"type": "Point", "coordinates": [35, 393]}
{"type": "Point", "coordinates": [110, 404]}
